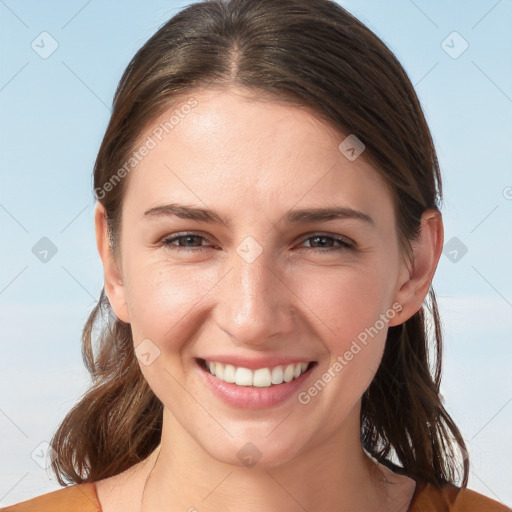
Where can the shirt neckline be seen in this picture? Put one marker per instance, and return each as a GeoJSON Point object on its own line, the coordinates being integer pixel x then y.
{"type": "Point", "coordinates": [417, 489]}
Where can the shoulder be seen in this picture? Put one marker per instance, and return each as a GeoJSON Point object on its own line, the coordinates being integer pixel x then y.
{"type": "Point", "coordinates": [450, 498]}
{"type": "Point", "coordinates": [75, 498]}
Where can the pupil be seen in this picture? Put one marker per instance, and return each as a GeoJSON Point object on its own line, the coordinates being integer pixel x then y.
{"type": "Point", "coordinates": [188, 238]}
{"type": "Point", "coordinates": [317, 238]}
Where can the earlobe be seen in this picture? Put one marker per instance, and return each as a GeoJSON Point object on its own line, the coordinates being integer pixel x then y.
{"type": "Point", "coordinates": [114, 287]}
{"type": "Point", "coordinates": [414, 283]}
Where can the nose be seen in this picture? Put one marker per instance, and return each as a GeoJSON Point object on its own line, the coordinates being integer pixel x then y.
{"type": "Point", "coordinates": [255, 303]}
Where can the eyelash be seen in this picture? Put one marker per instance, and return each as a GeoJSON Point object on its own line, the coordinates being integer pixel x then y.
{"type": "Point", "coordinates": [344, 245]}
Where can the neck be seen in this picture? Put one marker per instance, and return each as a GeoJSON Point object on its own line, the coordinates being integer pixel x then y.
{"type": "Point", "coordinates": [335, 474]}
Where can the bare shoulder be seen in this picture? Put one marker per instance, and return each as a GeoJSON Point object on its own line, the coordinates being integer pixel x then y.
{"type": "Point", "coordinates": [78, 497]}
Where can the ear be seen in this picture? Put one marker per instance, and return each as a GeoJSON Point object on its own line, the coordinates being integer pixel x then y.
{"type": "Point", "coordinates": [416, 277]}
{"type": "Point", "coordinates": [114, 287]}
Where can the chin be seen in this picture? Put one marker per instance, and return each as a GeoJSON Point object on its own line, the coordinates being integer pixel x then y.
{"type": "Point", "coordinates": [256, 451]}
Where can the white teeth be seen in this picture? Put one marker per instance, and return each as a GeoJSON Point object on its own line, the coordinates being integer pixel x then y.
{"type": "Point", "coordinates": [219, 370]}
{"type": "Point", "coordinates": [243, 377]}
{"type": "Point", "coordinates": [288, 373]}
{"type": "Point", "coordinates": [277, 375]}
{"type": "Point", "coordinates": [261, 378]}
{"type": "Point", "coordinates": [229, 373]}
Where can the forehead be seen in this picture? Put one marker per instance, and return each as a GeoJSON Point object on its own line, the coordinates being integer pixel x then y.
{"type": "Point", "coordinates": [233, 150]}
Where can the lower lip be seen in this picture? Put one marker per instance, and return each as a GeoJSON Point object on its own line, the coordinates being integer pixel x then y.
{"type": "Point", "coordinates": [250, 397]}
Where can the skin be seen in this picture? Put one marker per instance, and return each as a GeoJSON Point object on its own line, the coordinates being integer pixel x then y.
{"type": "Point", "coordinates": [252, 160]}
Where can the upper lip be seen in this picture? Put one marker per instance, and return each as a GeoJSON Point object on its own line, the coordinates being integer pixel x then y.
{"type": "Point", "coordinates": [255, 363]}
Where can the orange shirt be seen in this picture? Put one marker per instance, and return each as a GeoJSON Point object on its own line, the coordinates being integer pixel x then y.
{"type": "Point", "coordinates": [83, 498]}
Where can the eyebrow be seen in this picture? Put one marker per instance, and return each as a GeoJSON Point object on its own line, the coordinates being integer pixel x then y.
{"type": "Point", "coordinates": [307, 215]}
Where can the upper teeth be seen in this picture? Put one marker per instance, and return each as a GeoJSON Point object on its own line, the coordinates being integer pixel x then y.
{"type": "Point", "coordinates": [262, 377]}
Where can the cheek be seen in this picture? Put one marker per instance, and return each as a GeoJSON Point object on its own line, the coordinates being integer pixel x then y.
{"type": "Point", "coordinates": [162, 300]}
{"type": "Point", "coordinates": [344, 301]}
{"type": "Point", "coordinates": [351, 312]}
{"type": "Point", "coordinates": [166, 300]}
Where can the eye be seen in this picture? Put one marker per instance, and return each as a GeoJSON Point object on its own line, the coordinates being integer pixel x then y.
{"type": "Point", "coordinates": [186, 242]}
{"type": "Point", "coordinates": [319, 243]}
{"type": "Point", "coordinates": [323, 243]}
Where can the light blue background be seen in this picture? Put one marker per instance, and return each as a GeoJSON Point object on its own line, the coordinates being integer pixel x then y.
{"type": "Point", "coordinates": [53, 115]}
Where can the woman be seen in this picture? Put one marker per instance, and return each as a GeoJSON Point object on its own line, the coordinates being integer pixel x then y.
{"type": "Point", "coordinates": [269, 225]}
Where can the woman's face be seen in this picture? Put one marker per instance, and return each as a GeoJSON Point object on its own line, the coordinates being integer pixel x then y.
{"type": "Point", "coordinates": [266, 283]}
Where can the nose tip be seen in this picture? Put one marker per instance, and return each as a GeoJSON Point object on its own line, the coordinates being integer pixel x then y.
{"type": "Point", "coordinates": [255, 304]}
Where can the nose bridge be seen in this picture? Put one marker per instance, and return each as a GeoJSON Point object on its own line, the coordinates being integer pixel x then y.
{"type": "Point", "coordinates": [255, 304]}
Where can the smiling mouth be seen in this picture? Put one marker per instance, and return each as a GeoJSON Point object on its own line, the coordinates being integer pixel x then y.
{"type": "Point", "coordinates": [258, 378]}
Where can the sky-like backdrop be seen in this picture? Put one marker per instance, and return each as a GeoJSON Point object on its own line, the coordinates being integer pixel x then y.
{"type": "Point", "coordinates": [60, 63]}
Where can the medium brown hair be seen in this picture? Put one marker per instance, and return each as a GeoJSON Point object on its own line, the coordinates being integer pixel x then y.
{"type": "Point", "coordinates": [314, 55]}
